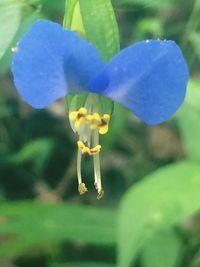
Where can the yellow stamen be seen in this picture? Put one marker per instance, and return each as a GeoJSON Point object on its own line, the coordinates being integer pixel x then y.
{"type": "Point", "coordinates": [89, 118]}
{"type": "Point", "coordinates": [97, 117]}
{"type": "Point", "coordinates": [103, 126]}
{"type": "Point", "coordinates": [103, 129]}
{"type": "Point", "coordinates": [83, 111]}
{"type": "Point", "coordinates": [95, 150]}
{"type": "Point", "coordinates": [100, 122]}
{"type": "Point", "coordinates": [82, 189]}
{"type": "Point", "coordinates": [86, 150]}
{"type": "Point", "coordinates": [78, 117]}
{"type": "Point", "coordinates": [94, 124]}
{"type": "Point", "coordinates": [106, 117]}
{"type": "Point", "coordinates": [100, 194]}
{"type": "Point", "coordinates": [73, 115]}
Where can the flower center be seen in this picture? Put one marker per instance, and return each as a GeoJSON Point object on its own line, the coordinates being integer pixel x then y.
{"type": "Point", "coordinates": [88, 123]}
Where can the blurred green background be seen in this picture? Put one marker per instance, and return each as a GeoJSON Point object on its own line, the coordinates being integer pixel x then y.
{"type": "Point", "coordinates": [150, 215]}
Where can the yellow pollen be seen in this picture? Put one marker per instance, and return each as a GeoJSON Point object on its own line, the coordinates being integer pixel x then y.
{"type": "Point", "coordinates": [78, 117]}
{"type": "Point", "coordinates": [86, 150]}
{"type": "Point", "coordinates": [73, 115]}
{"type": "Point", "coordinates": [89, 118]}
{"type": "Point", "coordinates": [97, 117]}
{"type": "Point", "coordinates": [94, 120]}
{"type": "Point", "coordinates": [106, 117]}
{"type": "Point", "coordinates": [103, 126]}
{"type": "Point", "coordinates": [100, 122]}
{"type": "Point", "coordinates": [83, 111]}
{"type": "Point", "coordinates": [82, 188]}
{"type": "Point", "coordinates": [103, 129]}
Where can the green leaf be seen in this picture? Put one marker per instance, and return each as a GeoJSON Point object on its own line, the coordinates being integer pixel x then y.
{"type": "Point", "coordinates": [189, 125]}
{"type": "Point", "coordinates": [77, 22]}
{"type": "Point", "coordinates": [86, 264]}
{"type": "Point", "coordinates": [9, 20]}
{"type": "Point", "coordinates": [163, 249]}
{"type": "Point", "coordinates": [163, 199]}
{"type": "Point", "coordinates": [73, 18]}
{"type": "Point", "coordinates": [193, 94]}
{"type": "Point", "coordinates": [188, 119]}
{"type": "Point", "coordinates": [100, 26]}
{"type": "Point", "coordinates": [25, 24]}
{"type": "Point", "coordinates": [29, 225]}
{"type": "Point", "coordinates": [95, 21]}
{"type": "Point", "coordinates": [194, 38]}
{"type": "Point", "coordinates": [150, 3]}
{"type": "Point", "coordinates": [69, 11]}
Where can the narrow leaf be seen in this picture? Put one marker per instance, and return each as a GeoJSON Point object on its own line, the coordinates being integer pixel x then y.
{"type": "Point", "coordinates": [69, 12]}
{"type": "Point", "coordinates": [35, 224]}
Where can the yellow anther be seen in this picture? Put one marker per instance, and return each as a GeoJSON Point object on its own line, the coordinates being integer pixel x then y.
{"type": "Point", "coordinates": [97, 117]}
{"type": "Point", "coordinates": [73, 115]}
{"type": "Point", "coordinates": [106, 117]}
{"type": "Point", "coordinates": [89, 118]}
{"type": "Point", "coordinates": [78, 116]}
{"type": "Point", "coordinates": [82, 111]}
{"type": "Point", "coordinates": [103, 126]}
{"type": "Point", "coordinates": [95, 150]}
{"type": "Point", "coordinates": [86, 150]}
{"type": "Point", "coordinates": [94, 121]}
{"type": "Point", "coordinates": [83, 148]}
{"type": "Point", "coordinates": [82, 189]}
{"type": "Point", "coordinates": [80, 144]}
{"type": "Point", "coordinates": [103, 129]}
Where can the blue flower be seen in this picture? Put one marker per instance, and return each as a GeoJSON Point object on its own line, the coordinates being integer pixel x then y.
{"type": "Point", "coordinates": [149, 78]}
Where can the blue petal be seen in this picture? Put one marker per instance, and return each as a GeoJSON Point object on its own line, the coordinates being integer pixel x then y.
{"type": "Point", "coordinates": [51, 62]}
{"type": "Point", "coordinates": [149, 78]}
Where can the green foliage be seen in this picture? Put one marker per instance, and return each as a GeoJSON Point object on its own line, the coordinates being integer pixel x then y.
{"type": "Point", "coordinates": [105, 37]}
{"type": "Point", "coordinates": [25, 24]}
{"type": "Point", "coordinates": [150, 3]}
{"type": "Point", "coordinates": [37, 224]}
{"type": "Point", "coordinates": [69, 12]}
{"type": "Point", "coordinates": [161, 200]}
{"type": "Point", "coordinates": [9, 20]}
{"type": "Point", "coordinates": [188, 121]}
{"type": "Point", "coordinates": [163, 249]}
{"type": "Point", "coordinates": [87, 264]}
